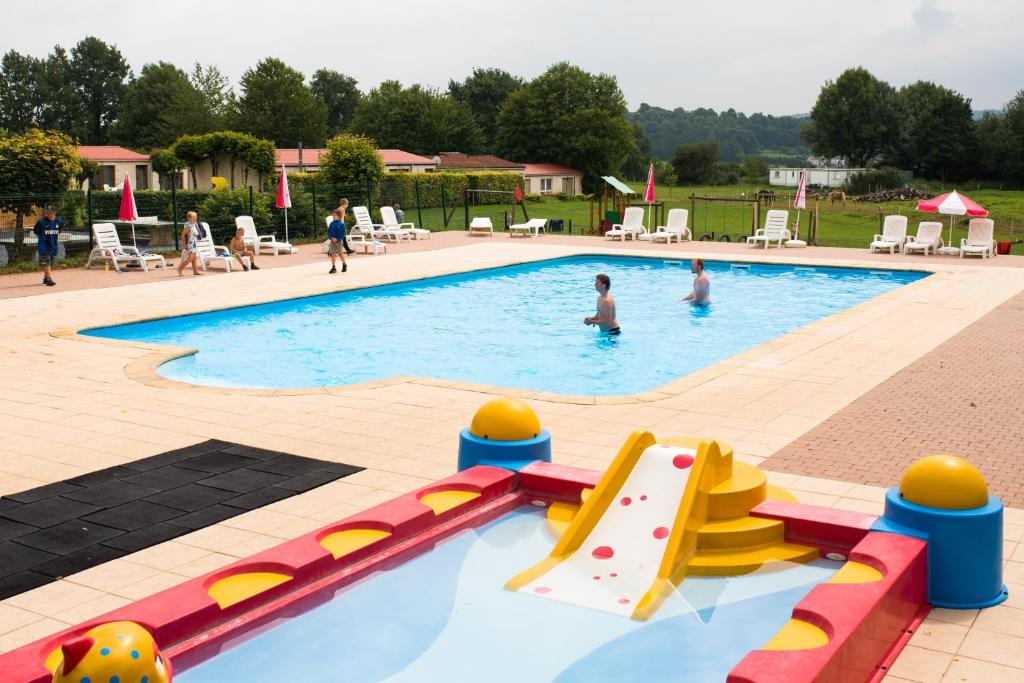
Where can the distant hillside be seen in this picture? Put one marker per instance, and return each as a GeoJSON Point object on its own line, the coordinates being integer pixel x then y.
{"type": "Point", "coordinates": [736, 133]}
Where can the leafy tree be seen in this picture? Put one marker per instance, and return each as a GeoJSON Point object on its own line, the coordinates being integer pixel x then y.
{"type": "Point", "coordinates": [417, 119]}
{"type": "Point", "coordinates": [636, 162]}
{"type": "Point", "coordinates": [351, 159]}
{"type": "Point", "coordinates": [998, 153]}
{"type": "Point", "coordinates": [34, 164]}
{"type": "Point", "coordinates": [484, 92]}
{"type": "Point", "coordinates": [60, 106]}
{"type": "Point", "coordinates": [167, 165]}
{"type": "Point", "coordinates": [855, 117]}
{"type": "Point", "coordinates": [20, 103]}
{"type": "Point", "coordinates": [89, 169]}
{"type": "Point", "coordinates": [670, 178]}
{"type": "Point", "coordinates": [276, 104]}
{"type": "Point", "coordinates": [159, 106]}
{"type": "Point", "coordinates": [571, 117]}
{"type": "Point", "coordinates": [255, 154]}
{"type": "Point", "coordinates": [695, 163]}
{"type": "Point", "coordinates": [1013, 114]}
{"type": "Point", "coordinates": [216, 93]}
{"type": "Point", "coordinates": [754, 169]}
{"type": "Point", "coordinates": [340, 95]}
{"type": "Point", "coordinates": [936, 132]}
{"type": "Point", "coordinates": [98, 73]}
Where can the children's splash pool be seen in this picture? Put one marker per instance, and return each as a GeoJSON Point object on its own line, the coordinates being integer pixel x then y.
{"type": "Point", "coordinates": [443, 617]}
{"type": "Point", "coordinates": [518, 326]}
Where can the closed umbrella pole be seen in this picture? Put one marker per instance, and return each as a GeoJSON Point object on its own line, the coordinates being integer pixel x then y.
{"type": "Point", "coordinates": [128, 211]}
{"type": "Point", "coordinates": [284, 199]}
{"type": "Point", "coordinates": [649, 193]}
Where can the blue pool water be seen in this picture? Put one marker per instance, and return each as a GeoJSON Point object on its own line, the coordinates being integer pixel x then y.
{"type": "Point", "coordinates": [444, 616]}
{"type": "Point", "coordinates": [519, 326]}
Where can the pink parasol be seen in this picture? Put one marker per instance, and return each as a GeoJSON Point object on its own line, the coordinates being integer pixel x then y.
{"type": "Point", "coordinates": [800, 200]}
{"type": "Point", "coordinates": [128, 211]}
{"type": "Point", "coordinates": [284, 199]}
{"type": "Point", "coordinates": [951, 204]}
{"type": "Point", "coordinates": [649, 193]}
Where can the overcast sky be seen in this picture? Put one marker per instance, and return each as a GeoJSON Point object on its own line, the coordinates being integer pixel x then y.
{"type": "Point", "coordinates": [751, 56]}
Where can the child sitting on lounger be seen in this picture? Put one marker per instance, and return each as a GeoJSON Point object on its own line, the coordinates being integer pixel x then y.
{"type": "Point", "coordinates": [336, 234]}
{"type": "Point", "coordinates": [240, 249]}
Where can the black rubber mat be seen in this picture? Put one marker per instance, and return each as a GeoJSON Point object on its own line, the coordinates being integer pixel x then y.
{"type": "Point", "coordinates": [69, 526]}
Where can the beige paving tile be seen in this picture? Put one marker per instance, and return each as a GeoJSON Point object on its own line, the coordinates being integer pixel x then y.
{"type": "Point", "coordinates": [93, 608]}
{"type": "Point", "coordinates": [994, 647]}
{"type": "Point", "coordinates": [963, 617]}
{"type": "Point", "coordinates": [204, 565]}
{"type": "Point", "coordinates": [1002, 619]}
{"type": "Point", "coordinates": [967, 670]}
{"type": "Point", "coordinates": [12, 618]}
{"type": "Point", "coordinates": [54, 598]}
{"type": "Point", "coordinates": [921, 665]}
{"type": "Point", "coordinates": [939, 636]}
{"type": "Point", "coordinates": [30, 632]}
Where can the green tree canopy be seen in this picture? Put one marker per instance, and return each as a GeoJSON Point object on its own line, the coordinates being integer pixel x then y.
{"type": "Point", "coordinates": [20, 102]}
{"type": "Point", "coordinates": [255, 154]}
{"type": "Point", "coordinates": [416, 119]}
{"type": "Point", "coordinates": [936, 132]}
{"type": "Point", "coordinates": [854, 117]}
{"type": "Point", "coordinates": [98, 73]}
{"type": "Point", "coordinates": [484, 92]}
{"type": "Point", "coordinates": [571, 117]}
{"type": "Point", "coordinates": [60, 105]}
{"type": "Point", "coordinates": [1013, 151]}
{"type": "Point", "coordinates": [636, 163]}
{"type": "Point", "coordinates": [340, 95]}
{"type": "Point", "coordinates": [217, 96]}
{"type": "Point", "coordinates": [694, 164]}
{"type": "Point", "coordinates": [159, 106]}
{"type": "Point", "coordinates": [34, 164]}
{"type": "Point", "coordinates": [276, 104]}
{"type": "Point", "coordinates": [351, 159]}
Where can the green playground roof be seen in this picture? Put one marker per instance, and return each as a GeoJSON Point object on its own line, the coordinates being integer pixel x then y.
{"type": "Point", "coordinates": [618, 184]}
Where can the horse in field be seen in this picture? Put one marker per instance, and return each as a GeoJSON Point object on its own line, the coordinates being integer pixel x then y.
{"type": "Point", "coordinates": [837, 196]}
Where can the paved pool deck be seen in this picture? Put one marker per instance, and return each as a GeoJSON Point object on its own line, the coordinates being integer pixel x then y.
{"type": "Point", "coordinates": [69, 407]}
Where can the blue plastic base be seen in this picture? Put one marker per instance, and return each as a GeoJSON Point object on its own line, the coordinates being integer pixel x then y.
{"type": "Point", "coordinates": [965, 549]}
{"type": "Point", "coordinates": [511, 455]}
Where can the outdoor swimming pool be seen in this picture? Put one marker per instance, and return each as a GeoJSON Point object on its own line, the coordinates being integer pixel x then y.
{"type": "Point", "coordinates": [443, 616]}
{"type": "Point", "coordinates": [519, 326]}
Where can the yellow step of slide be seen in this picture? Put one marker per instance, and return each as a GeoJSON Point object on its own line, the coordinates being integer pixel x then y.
{"type": "Point", "coordinates": [738, 533]}
{"type": "Point", "coordinates": [734, 563]}
{"type": "Point", "coordinates": [734, 497]}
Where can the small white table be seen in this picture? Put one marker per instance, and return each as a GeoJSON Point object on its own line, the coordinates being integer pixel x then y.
{"type": "Point", "coordinates": [948, 251]}
{"type": "Point", "coordinates": [795, 244]}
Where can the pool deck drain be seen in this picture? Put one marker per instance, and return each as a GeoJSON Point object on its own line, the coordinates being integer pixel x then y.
{"type": "Point", "coordinates": [68, 409]}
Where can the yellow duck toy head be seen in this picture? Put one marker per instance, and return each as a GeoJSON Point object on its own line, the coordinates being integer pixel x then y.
{"type": "Point", "coordinates": [115, 652]}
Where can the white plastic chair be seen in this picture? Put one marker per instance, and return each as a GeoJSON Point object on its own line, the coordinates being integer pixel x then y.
{"type": "Point", "coordinates": [108, 247]}
{"type": "Point", "coordinates": [893, 237]}
{"type": "Point", "coordinates": [632, 225]}
{"type": "Point", "coordinates": [776, 229]}
{"type": "Point", "coordinates": [928, 238]}
{"type": "Point", "coordinates": [482, 225]}
{"type": "Point", "coordinates": [260, 242]}
{"type": "Point", "coordinates": [530, 228]}
{"type": "Point", "coordinates": [979, 241]}
{"type": "Point", "coordinates": [390, 222]}
{"type": "Point", "coordinates": [676, 228]}
{"type": "Point", "coordinates": [357, 238]}
{"type": "Point", "coordinates": [210, 253]}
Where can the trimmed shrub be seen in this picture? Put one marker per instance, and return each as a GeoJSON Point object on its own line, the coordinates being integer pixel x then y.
{"type": "Point", "coordinates": [220, 208]}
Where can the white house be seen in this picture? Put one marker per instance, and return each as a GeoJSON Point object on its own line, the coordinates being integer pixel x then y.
{"type": "Point", "coordinates": [552, 178]}
{"type": "Point", "coordinates": [114, 162]}
{"type": "Point", "coordinates": [825, 177]}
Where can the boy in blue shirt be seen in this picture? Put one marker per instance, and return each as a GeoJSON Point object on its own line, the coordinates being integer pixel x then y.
{"type": "Point", "coordinates": [336, 234]}
{"type": "Point", "coordinates": [47, 232]}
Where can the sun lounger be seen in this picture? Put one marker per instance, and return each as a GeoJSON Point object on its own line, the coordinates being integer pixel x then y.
{"type": "Point", "coordinates": [676, 228]}
{"type": "Point", "coordinates": [482, 225]}
{"type": "Point", "coordinates": [390, 222]}
{"type": "Point", "coordinates": [260, 242]}
{"type": "Point", "coordinates": [928, 238]}
{"type": "Point", "coordinates": [979, 241]}
{"type": "Point", "coordinates": [776, 229]}
{"type": "Point", "coordinates": [893, 237]}
{"type": "Point", "coordinates": [530, 228]}
{"type": "Point", "coordinates": [632, 225]}
{"type": "Point", "coordinates": [365, 227]}
{"type": "Point", "coordinates": [210, 253]}
{"type": "Point", "coordinates": [359, 238]}
{"type": "Point", "coordinates": [109, 248]}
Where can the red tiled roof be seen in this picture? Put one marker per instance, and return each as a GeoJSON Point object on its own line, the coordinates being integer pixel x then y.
{"type": "Point", "coordinates": [460, 160]}
{"type": "Point", "coordinates": [397, 156]}
{"type": "Point", "coordinates": [110, 153]}
{"type": "Point", "coordinates": [549, 169]}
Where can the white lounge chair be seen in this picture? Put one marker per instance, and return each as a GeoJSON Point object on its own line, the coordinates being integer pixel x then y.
{"type": "Point", "coordinates": [366, 228]}
{"type": "Point", "coordinates": [676, 228]}
{"type": "Point", "coordinates": [632, 225]}
{"type": "Point", "coordinates": [482, 225]}
{"type": "Point", "coordinates": [530, 228]}
{"type": "Point", "coordinates": [108, 247]}
{"type": "Point", "coordinates": [928, 238]}
{"type": "Point", "coordinates": [980, 239]}
{"type": "Point", "coordinates": [893, 237]}
{"type": "Point", "coordinates": [260, 242]}
{"type": "Point", "coordinates": [357, 238]}
{"type": "Point", "coordinates": [390, 221]}
{"type": "Point", "coordinates": [210, 253]}
{"type": "Point", "coordinates": [776, 229]}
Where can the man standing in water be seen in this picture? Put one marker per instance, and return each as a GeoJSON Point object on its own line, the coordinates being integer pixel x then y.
{"type": "Point", "coordinates": [605, 317]}
{"type": "Point", "coordinates": [701, 294]}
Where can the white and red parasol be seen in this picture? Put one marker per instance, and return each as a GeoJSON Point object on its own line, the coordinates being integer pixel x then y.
{"type": "Point", "coordinates": [649, 193]}
{"type": "Point", "coordinates": [128, 211]}
{"type": "Point", "coordinates": [284, 199]}
{"type": "Point", "coordinates": [951, 204]}
{"type": "Point", "coordinates": [800, 200]}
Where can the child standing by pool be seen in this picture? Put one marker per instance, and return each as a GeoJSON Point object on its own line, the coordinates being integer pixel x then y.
{"type": "Point", "coordinates": [336, 234]}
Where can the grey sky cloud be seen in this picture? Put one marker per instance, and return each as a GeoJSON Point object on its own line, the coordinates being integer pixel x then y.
{"type": "Point", "coordinates": [731, 53]}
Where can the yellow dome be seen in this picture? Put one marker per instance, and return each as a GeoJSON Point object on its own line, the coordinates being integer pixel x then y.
{"type": "Point", "coordinates": [505, 419]}
{"type": "Point", "coordinates": [945, 482]}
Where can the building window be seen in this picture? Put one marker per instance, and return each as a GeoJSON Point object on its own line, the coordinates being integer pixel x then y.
{"type": "Point", "coordinates": [104, 176]}
{"type": "Point", "coordinates": [569, 185]}
{"type": "Point", "coordinates": [526, 186]}
{"type": "Point", "coordinates": [545, 185]}
{"type": "Point", "coordinates": [142, 177]}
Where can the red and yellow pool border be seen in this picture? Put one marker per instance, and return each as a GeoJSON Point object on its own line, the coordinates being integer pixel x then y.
{"type": "Point", "coordinates": [849, 629]}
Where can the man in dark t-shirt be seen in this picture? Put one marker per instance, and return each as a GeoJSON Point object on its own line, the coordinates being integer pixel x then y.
{"type": "Point", "coordinates": [47, 232]}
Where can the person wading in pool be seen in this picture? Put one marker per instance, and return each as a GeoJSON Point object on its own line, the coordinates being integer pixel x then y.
{"type": "Point", "coordinates": [605, 317]}
{"type": "Point", "coordinates": [701, 294]}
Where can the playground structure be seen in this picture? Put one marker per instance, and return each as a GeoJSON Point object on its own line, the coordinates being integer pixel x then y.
{"type": "Point", "coordinates": [615, 198]}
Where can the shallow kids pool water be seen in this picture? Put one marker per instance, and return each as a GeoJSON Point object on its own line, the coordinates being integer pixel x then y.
{"type": "Point", "coordinates": [444, 616]}
{"type": "Point", "coordinates": [518, 326]}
